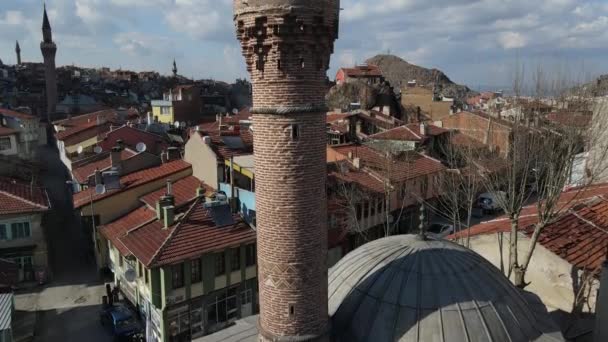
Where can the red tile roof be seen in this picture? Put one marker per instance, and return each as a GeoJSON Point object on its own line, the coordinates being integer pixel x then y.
{"type": "Point", "coordinates": [363, 71]}
{"type": "Point", "coordinates": [580, 236]}
{"type": "Point", "coordinates": [17, 115]}
{"type": "Point", "coordinates": [16, 198]}
{"type": "Point", "coordinates": [359, 177]}
{"type": "Point", "coordinates": [191, 236]}
{"type": "Point", "coordinates": [133, 180]}
{"type": "Point", "coordinates": [119, 227]}
{"type": "Point", "coordinates": [81, 123]}
{"type": "Point", "coordinates": [130, 137]}
{"type": "Point", "coordinates": [82, 172]}
{"type": "Point", "coordinates": [80, 120]}
{"type": "Point", "coordinates": [403, 133]}
{"type": "Point", "coordinates": [218, 145]}
{"type": "Point", "coordinates": [409, 165]}
{"type": "Point", "coordinates": [4, 131]}
{"type": "Point", "coordinates": [332, 117]}
{"type": "Point", "coordinates": [184, 191]}
{"type": "Point", "coordinates": [529, 215]}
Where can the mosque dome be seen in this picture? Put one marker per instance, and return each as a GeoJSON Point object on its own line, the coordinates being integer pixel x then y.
{"type": "Point", "coordinates": [405, 288]}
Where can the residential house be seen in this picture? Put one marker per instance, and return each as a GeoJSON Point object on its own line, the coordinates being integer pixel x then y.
{"type": "Point", "coordinates": [421, 103]}
{"type": "Point", "coordinates": [195, 264]}
{"type": "Point", "coordinates": [569, 253]}
{"type": "Point", "coordinates": [367, 73]}
{"type": "Point", "coordinates": [20, 134]}
{"type": "Point", "coordinates": [22, 236]}
{"type": "Point", "coordinates": [413, 137]}
{"type": "Point", "coordinates": [120, 195]}
{"type": "Point", "coordinates": [368, 122]}
{"type": "Point", "coordinates": [78, 136]}
{"type": "Point", "coordinates": [492, 132]}
{"type": "Point", "coordinates": [211, 144]}
{"type": "Point", "coordinates": [119, 158]}
{"type": "Point", "coordinates": [180, 104]}
{"type": "Point", "coordinates": [130, 137]}
{"type": "Point", "coordinates": [340, 128]}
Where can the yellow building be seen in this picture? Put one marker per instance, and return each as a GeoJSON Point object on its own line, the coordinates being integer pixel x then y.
{"type": "Point", "coordinates": [182, 103]}
{"type": "Point", "coordinates": [162, 111]}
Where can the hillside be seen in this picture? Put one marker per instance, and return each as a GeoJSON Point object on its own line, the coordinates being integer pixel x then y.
{"type": "Point", "coordinates": [598, 87]}
{"type": "Point", "coordinates": [397, 72]}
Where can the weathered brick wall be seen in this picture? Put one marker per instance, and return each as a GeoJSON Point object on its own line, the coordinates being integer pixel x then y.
{"type": "Point", "coordinates": [287, 45]}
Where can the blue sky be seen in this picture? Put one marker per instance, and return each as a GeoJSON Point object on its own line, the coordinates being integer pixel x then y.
{"type": "Point", "coordinates": [476, 42]}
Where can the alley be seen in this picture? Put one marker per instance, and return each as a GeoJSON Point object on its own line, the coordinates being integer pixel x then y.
{"type": "Point", "coordinates": [68, 306]}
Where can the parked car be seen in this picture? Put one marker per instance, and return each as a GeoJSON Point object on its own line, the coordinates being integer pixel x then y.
{"type": "Point", "coordinates": [120, 321]}
{"type": "Point", "coordinates": [488, 201]}
{"type": "Point", "coordinates": [439, 230]}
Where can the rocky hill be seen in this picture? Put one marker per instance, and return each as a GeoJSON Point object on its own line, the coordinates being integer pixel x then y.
{"type": "Point", "coordinates": [398, 72]}
{"type": "Point", "coordinates": [598, 87]}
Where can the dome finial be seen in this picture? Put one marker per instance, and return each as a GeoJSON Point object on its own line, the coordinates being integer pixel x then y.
{"type": "Point", "coordinates": [422, 225]}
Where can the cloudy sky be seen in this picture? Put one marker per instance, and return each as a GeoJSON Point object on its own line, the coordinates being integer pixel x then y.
{"type": "Point", "coordinates": [476, 42]}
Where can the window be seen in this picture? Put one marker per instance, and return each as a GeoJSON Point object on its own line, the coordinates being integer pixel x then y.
{"type": "Point", "coordinates": [220, 264]}
{"type": "Point", "coordinates": [295, 132]}
{"type": "Point", "coordinates": [140, 272]}
{"type": "Point", "coordinates": [359, 210]}
{"type": "Point", "coordinates": [165, 110]}
{"type": "Point", "coordinates": [333, 222]}
{"type": "Point", "coordinates": [5, 143]}
{"type": "Point", "coordinates": [250, 255]}
{"type": "Point", "coordinates": [20, 230]}
{"type": "Point", "coordinates": [246, 297]}
{"type": "Point", "coordinates": [120, 261]}
{"type": "Point", "coordinates": [3, 232]}
{"type": "Point", "coordinates": [24, 262]}
{"type": "Point", "coordinates": [177, 272]}
{"type": "Point", "coordinates": [195, 271]}
{"type": "Point", "coordinates": [146, 277]}
{"type": "Point", "coordinates": [235, 259]}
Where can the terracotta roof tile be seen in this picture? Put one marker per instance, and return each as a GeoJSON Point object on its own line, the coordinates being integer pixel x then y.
{"type": "Point", "coordinates": [184, 190]}
{"type": "Point", "coordinates": [133, 180]}
{"type": "Point", "coordinates": [119, 227]}
{"type": "Point", "coordinates": [407, 166]}
{"type": "Point", "coordinates": [194, 235]}
{"type": "Point", "coordinates": [16, 197]}
{"type": "Point", "coordinates": [17, 115]}
{"type": "Point", "coordinates": [130, 137]}
{"type": "Point", "coordinates": [82, 172]}
{"type": "Point", "coordinates": [402, 133]}
{"type": "Point", "coordinates": [4, 131]}
{"type": "Point", "coordinates": [332, 117]}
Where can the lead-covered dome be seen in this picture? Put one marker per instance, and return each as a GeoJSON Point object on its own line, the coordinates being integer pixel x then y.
{"type": "Point", "coordinates": [404, 288]}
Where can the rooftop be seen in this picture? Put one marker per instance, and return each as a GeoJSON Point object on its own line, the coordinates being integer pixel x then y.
{"type": "Point", "coordinates": [184, 191]}
{"type": "Point", "coordinates": [192, 235]}
{"type": "Point", "coordinates": [363, 71]}
{"type": "Point", "coordinates": [84, 171]}
{"type": "Point", "coordinates": [4, 131]}
{"type": "Point", "coordinates": [133, 180]}
{"type": "Point", "coordinates": [16, 115]}
{"type": "Point", "coordinates": [17, 198]}
{"type": "Point", "coordinates": [132, 136]}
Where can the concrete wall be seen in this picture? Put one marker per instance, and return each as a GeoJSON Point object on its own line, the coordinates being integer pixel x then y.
{"type": "Point", "coordinates": [40, 253]}
{"type": "Point", "coordinates": [551, 277]}
{"type": "Point", "coordinates": [203, 160]}
{"type": "Point", "coordinates": [14, 150]}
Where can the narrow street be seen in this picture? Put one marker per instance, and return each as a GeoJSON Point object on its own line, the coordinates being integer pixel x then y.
{"type": "Point", "coordinates": [68, 306]}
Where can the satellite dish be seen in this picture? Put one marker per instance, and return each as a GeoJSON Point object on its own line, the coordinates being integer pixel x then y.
{"type": "Point", "coordinates": [130, 275]}
{"type": "Point", "coordinates": [100, 189]}
{"type": "Point", "coordinates": [140, 147]}
{"type": "Point", "coordinates": [235, 111]}
{"type": "Point", "coordinates": [97, 149]}
{"type": "Point", "coordinates": [182, 124]}
{"type": "Point", "coordinates": [79, 149]}
{"type": "Point", "coordinates": [176, 124]}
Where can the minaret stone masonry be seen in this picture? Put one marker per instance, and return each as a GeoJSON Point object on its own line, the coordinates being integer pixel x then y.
{"type": "Point", "coordinates": [49, 50]}
{"type": "Point", "coordinates": [287, 46]}
{"type": "Point", "coordinates": [18, 52]}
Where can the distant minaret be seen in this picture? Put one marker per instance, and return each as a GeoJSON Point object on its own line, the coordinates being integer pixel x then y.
{"type": "Point", "coordinates": [18, 52]}
{"type": "Point", "coordinates": [174, 69]}
{"type": "Point", "coordinates": [49, 49]}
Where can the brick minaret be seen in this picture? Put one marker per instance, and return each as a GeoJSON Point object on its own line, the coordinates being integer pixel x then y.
{"type": "Point", "coordinates": [18, 52]}
{"type": "Point", "coordinates": [287, 45]}
{"type": "Point", "coordinates": [49, 49]}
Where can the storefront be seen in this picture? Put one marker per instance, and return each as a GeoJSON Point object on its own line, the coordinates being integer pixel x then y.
{"type": "Point", "coordinates": [207, 314]}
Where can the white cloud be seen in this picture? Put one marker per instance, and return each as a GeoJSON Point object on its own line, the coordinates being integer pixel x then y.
{"type": "Point", "coordinates": [12, 18]}
{"type": "Point", "coordinates": [512, 40]}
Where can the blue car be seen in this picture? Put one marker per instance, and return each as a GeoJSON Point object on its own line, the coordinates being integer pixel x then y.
{"type": "Point", "coordinates": [120, 321]}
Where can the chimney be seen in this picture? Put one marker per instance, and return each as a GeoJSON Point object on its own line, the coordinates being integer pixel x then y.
{"type": "Point", "coordinates": [173, 154]}
{"type": "Point", "coordinates": [350, 155]}
{"type": "Point", "coordinates": [169, 216]}
{"type": "Point", "coordinates": [98, 179]}
{"type": "Point", "coordinates": [422, 129]}
{"type": "Point", "coordinates": [600, 333]}
{"type": "Point", "coordinates": [200, 192]}
{"type": "Point", "coordinates": [115, 158]}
